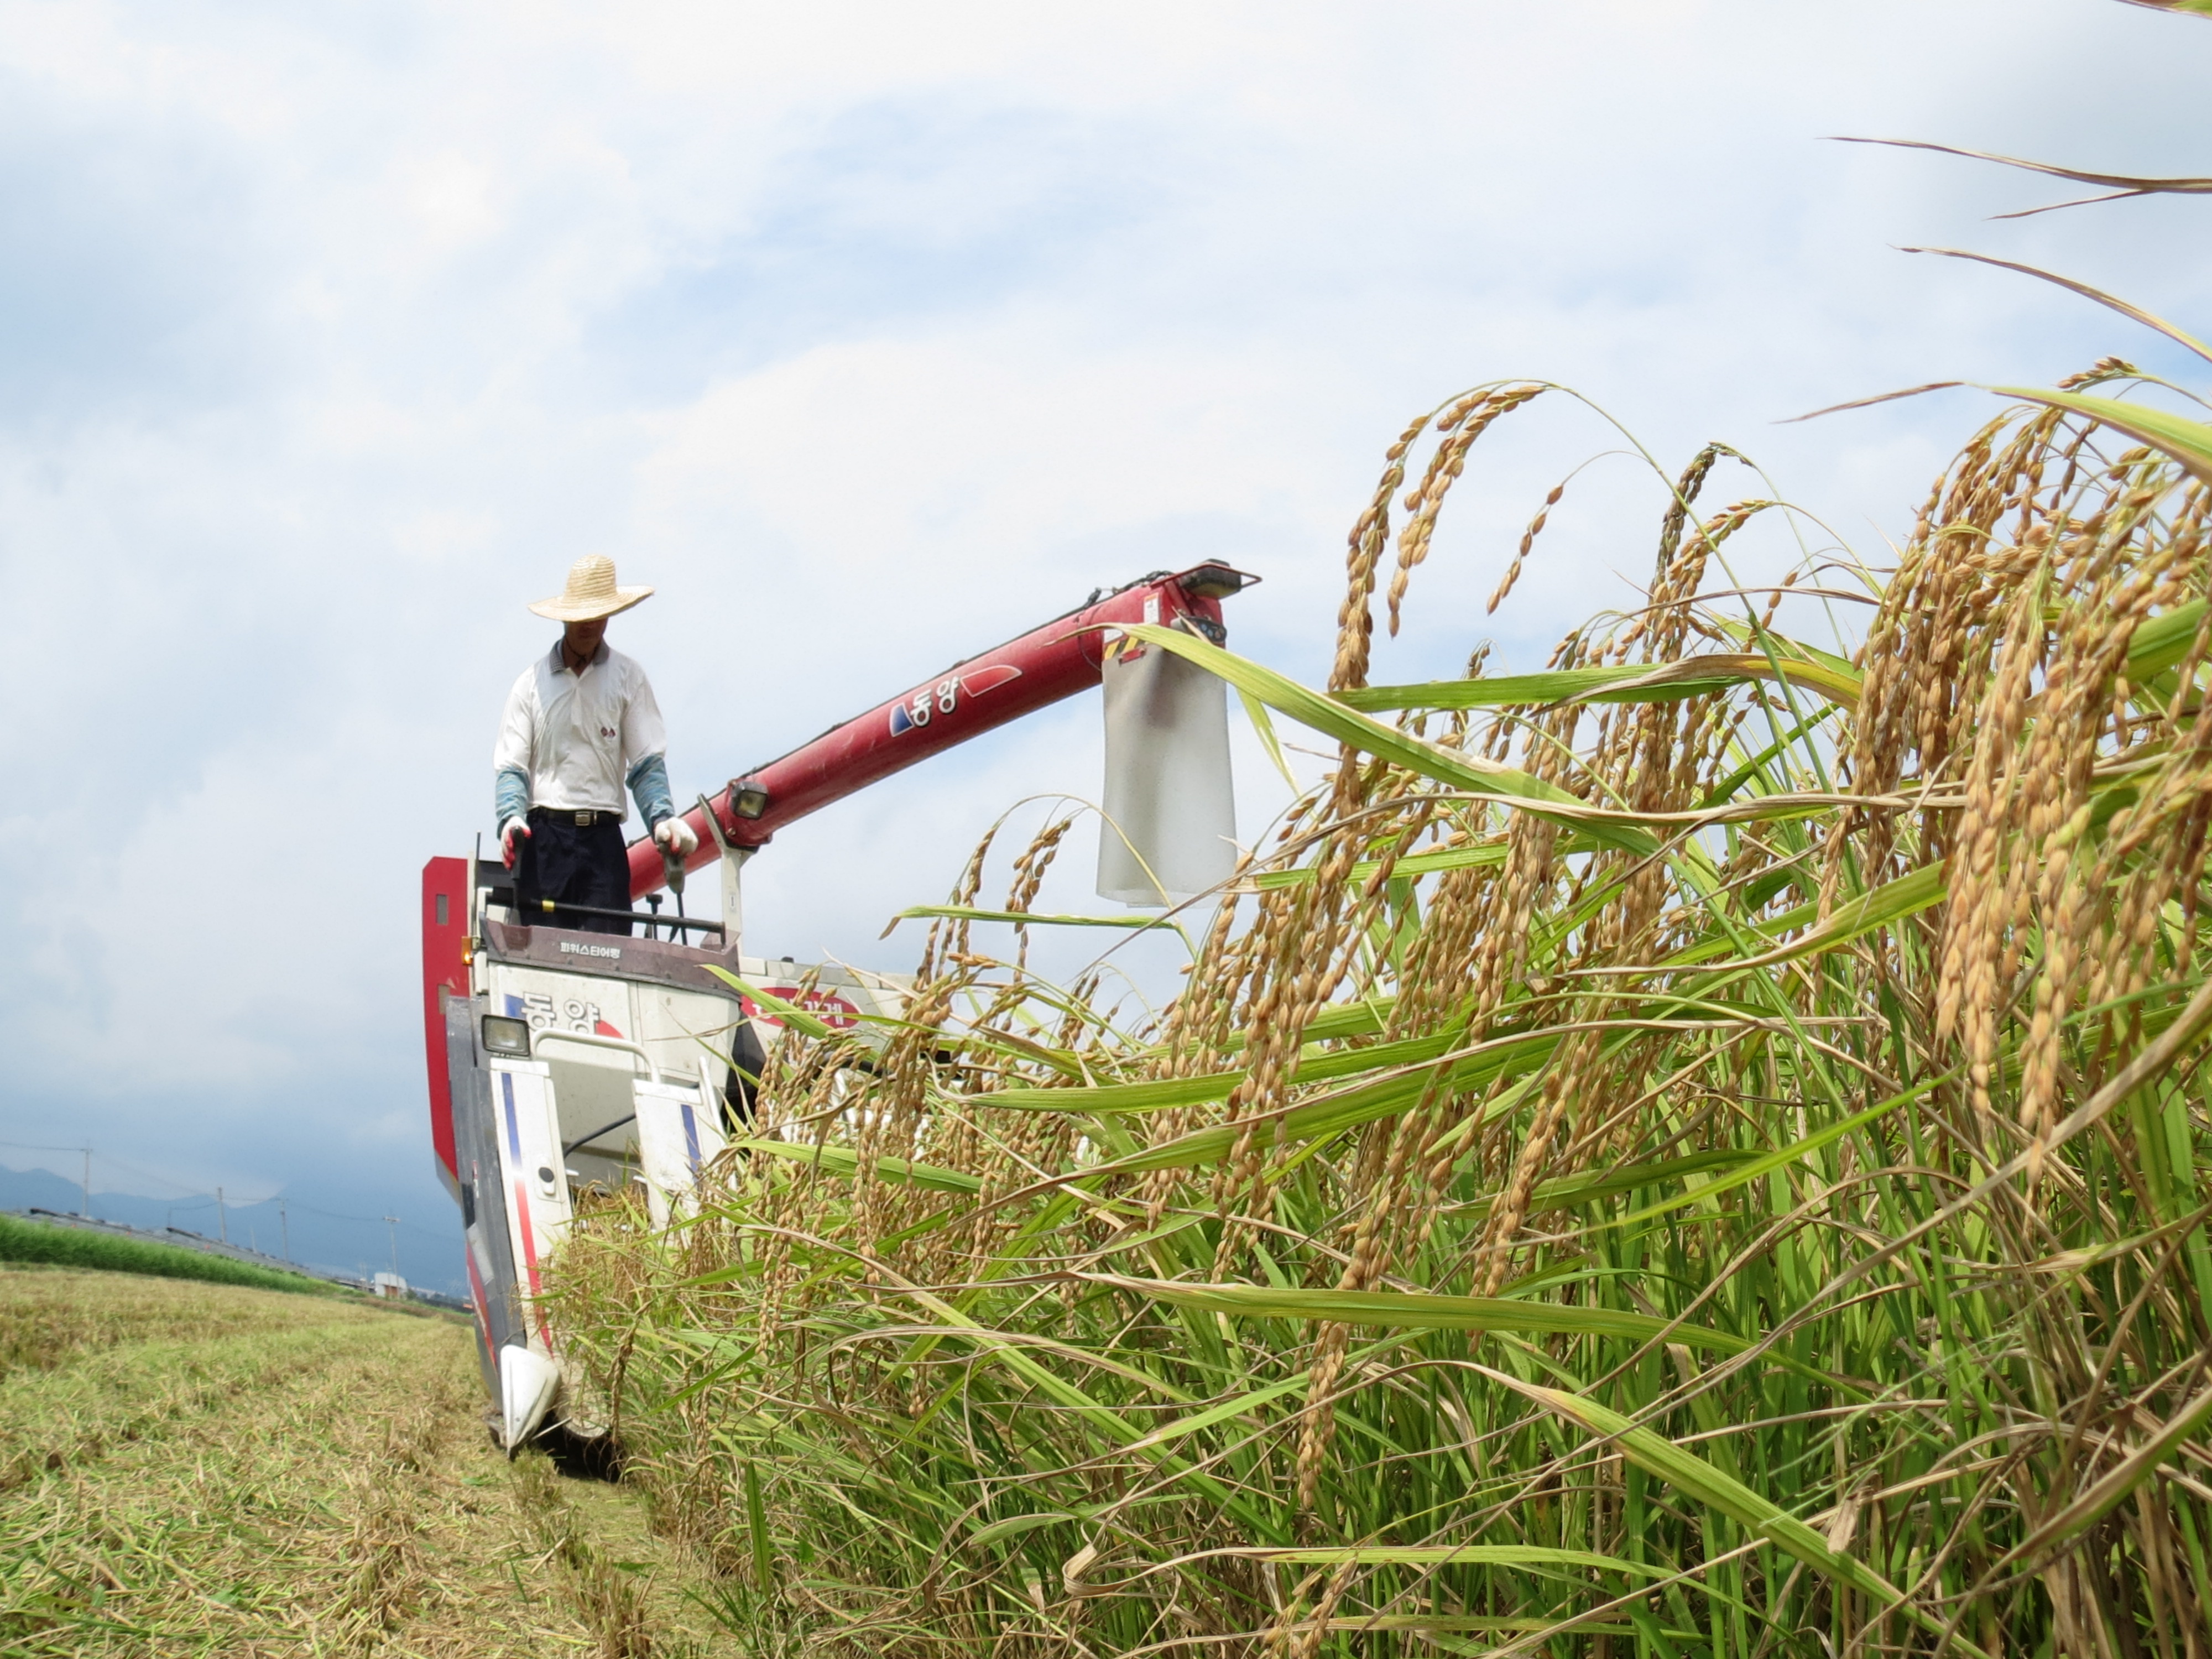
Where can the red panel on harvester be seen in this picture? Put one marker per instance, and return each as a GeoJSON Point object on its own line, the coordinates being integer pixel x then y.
{"type": "Point", "coordinates": [445, 968]}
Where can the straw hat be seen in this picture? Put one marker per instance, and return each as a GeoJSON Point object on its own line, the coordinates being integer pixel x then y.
{"type": "Point", "coordinates": [591, 592]}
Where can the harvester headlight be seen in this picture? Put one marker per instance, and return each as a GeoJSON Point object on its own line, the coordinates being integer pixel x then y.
{"type": "Point", "coordinates": [502, 1036]}
{"type": "Point", "coordinates": [748, 799]}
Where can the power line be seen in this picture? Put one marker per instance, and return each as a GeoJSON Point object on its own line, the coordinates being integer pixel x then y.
{"type": "Point", "coordinates": [192, 1198]}
{"type": "Point", "coordinates": [367, 1220]}
{"type": "Point", "coordinates": [114, 1161]}
{"type": "Point", "coordinates": [147, 1174]}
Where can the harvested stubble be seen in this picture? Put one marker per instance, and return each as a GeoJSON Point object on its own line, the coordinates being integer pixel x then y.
{"type": "Point", "coordinates": [189, 1467]}
{"type": "Point", "coordinates": [1692, 1151]}
{"type": "Point", "coordinates": [195, 1469]}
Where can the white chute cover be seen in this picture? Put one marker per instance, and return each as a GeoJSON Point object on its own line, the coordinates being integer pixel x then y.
{"type": "Point", "coordinates": [1167, 779]}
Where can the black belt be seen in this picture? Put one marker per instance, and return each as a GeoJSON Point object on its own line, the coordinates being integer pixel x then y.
{"type": "Point", "coordinates": [582, 817]}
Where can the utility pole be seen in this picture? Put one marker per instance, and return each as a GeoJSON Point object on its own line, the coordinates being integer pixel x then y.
{"type": "Point", "coordinates": [86, 1211]}
{"type": "Point", "coordinates": [285, 1222]}
{"type": "Point", "coordinates": [394, 1230]}
{"type": "Point", "coordinates": [222, 1221]}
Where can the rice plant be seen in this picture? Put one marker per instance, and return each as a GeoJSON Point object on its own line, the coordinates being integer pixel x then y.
{"type": "Point", "coordinates": [1692, 1151]}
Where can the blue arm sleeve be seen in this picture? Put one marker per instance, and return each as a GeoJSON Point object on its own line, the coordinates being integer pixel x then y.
{"type": "Point", "coordinates": [648, 786]}
{"type": "Point", "coordinates": [510, 794]}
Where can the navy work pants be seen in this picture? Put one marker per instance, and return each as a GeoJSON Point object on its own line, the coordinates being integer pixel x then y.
{"type": "Point", "coordinates": [574, 863]}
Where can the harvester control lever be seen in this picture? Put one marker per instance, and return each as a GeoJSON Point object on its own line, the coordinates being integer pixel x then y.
{"type": "Point", "coordinates": [604, 1129]}
{"type": "Point", "coordinates": [671, 865]}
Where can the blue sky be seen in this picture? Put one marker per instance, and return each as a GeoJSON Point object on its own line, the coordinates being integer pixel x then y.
{"type": "Point", "coordinates": [871, 335]}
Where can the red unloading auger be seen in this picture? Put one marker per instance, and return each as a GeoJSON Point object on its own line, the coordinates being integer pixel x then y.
{"type": "Point", "coordinates": [1041, 667]}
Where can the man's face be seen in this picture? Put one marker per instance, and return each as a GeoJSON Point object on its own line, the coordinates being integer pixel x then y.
{"type": "Point", "coordinates": [583, 637]}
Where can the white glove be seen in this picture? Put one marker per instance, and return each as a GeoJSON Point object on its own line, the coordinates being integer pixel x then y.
{"type": "Point", "coordinates": [676, 836]}
{"type": "Point", "coordinates": [510, 834]}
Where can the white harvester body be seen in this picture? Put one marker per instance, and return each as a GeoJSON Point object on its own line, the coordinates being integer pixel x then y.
{"type": "Point", "coordinates": [590, 1061]}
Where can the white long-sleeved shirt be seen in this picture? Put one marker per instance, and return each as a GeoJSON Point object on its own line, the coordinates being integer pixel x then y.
{"type": "Point", "coordinates": [578, 737]}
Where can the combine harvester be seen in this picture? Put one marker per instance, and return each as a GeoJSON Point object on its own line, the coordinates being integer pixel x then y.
{"type": "Point", "coordinates": [561, 1060]}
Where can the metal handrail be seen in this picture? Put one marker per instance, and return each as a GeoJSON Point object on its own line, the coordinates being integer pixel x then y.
{"type": "Point", "coordinates": [557, 908]}
{"type": "Point", "coordinates": [591, 1040]}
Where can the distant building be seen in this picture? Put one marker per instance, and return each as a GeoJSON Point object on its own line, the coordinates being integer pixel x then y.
{"type": "Point", "coordinates": [392, 1286]}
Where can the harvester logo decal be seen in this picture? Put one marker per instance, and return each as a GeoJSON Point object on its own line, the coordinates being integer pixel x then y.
{"type": "Point", "coordinates": [944, 698]}
{"type": "Point", "coordinates": [569, 1014]}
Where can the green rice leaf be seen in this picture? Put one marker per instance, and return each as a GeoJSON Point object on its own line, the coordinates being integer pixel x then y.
{"type": "Point", "coordinates": [1790, 651]}
{"type": "Point", "coordinates": [1162, 1093]}
{"type": "Point", "coordinates": [1507, 691]}
{"type": "Point", "coordinates": [790, 1013]}
{"type": "Point", "coordinates": [843, 1161]}
{"type": "Point", "coordinates": [1691, 677]}
{"type": "Point", "coordinates": [1412, 1310]}
{"type": "Point", "coordinates": [1015, 1525]}
{"type": "Point", "coordinates": [1334, 719]}
{"type": "Point", "coordinates": [2164, 641]}
{"type": "Point", "coordinates": [1699, 1480]}
{"type": "Point", "coordinates": [1569, 1192]}
{"type": "Point", "coordinates": [2107, 1493]}
{"type": "Point", "coordinates": [1448, 1555]}
{"type": "Point", "coordinates": [2187, 442]}
{"type": "Point", "coordinates": [1345, 1109]}
{"type": "Point", "coordinates": [1256, 712]}
{"type": "Point", "coordinates": [1886, 905]}
{"type": "Point", "coordinates": [1766, 1163]}
{"type": "Point", "coordinates": [1413, 864]}
{"type": "Point", "coordinates": [1119, 1428]}
{"type": "Point", "coordinates": [1155, 1095]}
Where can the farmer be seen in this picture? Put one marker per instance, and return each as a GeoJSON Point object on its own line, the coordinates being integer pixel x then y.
{"type": "Point", "coordinates": [580, 723]}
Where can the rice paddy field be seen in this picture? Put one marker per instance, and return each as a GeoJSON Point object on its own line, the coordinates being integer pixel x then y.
{"type": "Point", "coordinates": [25, 1240]}
{"type": "Point", "coordinates": [190, 1468]}
{"type": "Point", "coordinates": [1694, 1151]}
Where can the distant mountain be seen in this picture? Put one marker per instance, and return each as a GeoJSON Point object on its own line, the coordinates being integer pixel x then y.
{"type": "Point", "coordinates": [429, 1255]}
